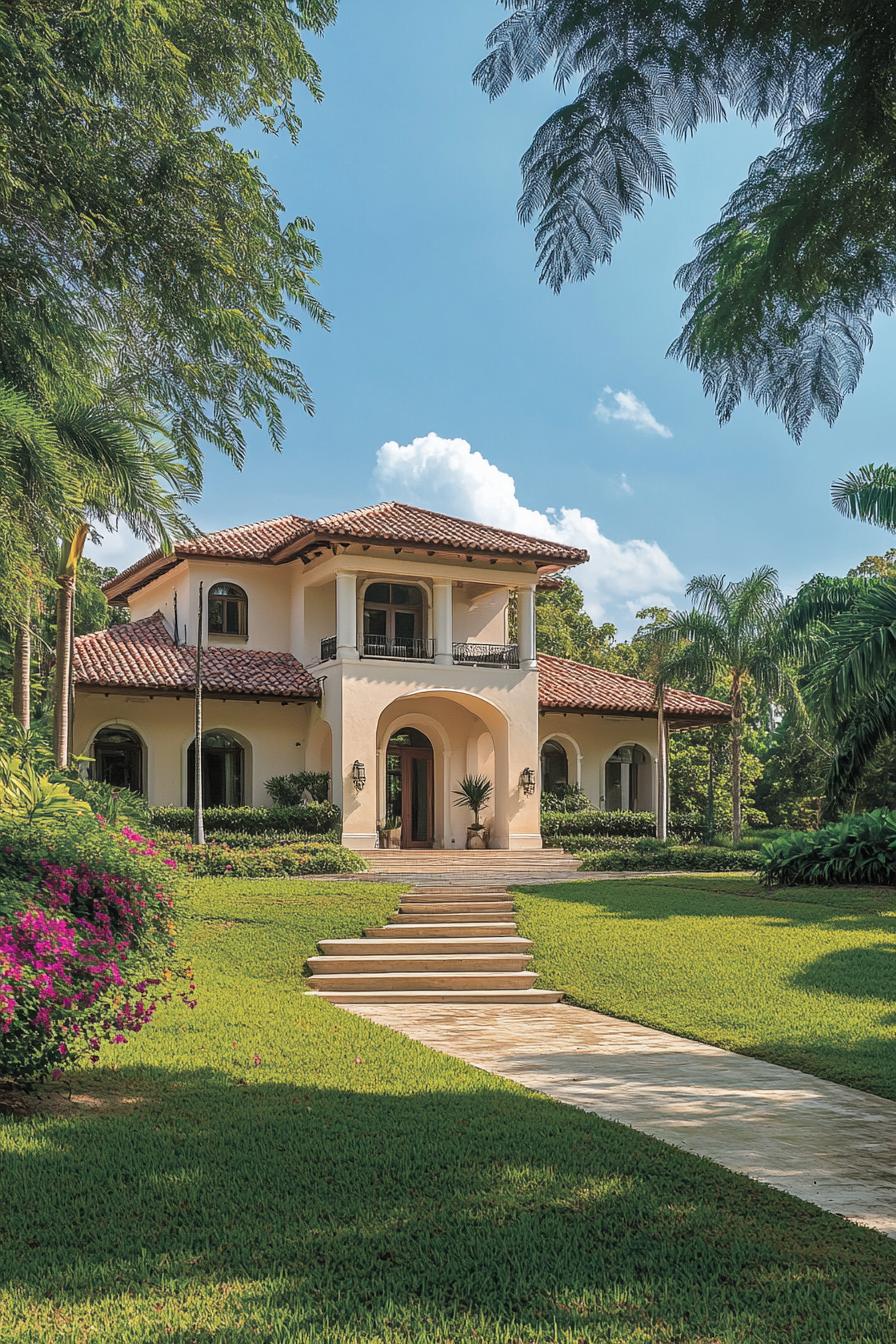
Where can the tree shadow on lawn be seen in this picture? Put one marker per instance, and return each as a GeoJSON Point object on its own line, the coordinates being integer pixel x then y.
{"type": "Point", "coordinates": [648, 898]}
{"type": "Point", "coordinates": [358, 1211]}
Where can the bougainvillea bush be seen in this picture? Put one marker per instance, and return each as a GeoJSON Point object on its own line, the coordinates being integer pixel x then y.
{"type": "Point", "coordinates": [86, 942]}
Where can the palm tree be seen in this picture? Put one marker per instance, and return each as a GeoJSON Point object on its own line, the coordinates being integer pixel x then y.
{"type": "Point", "coordinates": [128, 471]}
{"type": "Point", "coordinates": [732, 635]}
{"type": "Point", "coordinates": [844, 633]}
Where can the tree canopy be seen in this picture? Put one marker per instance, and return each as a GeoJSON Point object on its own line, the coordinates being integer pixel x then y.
{"type": "Point", "coordinates": [135, 238]}
{"type": "Point", "coordinates": [780, 296]}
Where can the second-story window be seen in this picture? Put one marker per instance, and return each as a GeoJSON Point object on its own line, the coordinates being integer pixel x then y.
{"type": "Point", "coordinates": [393, 618]}
{"type": "Point", "coordinates": [228, 610]}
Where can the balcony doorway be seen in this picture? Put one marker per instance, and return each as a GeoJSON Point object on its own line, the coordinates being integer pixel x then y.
{"type": "Point", "coordinates": [409, 787]}
{"type": "Point", "coordinates": [394, 618]}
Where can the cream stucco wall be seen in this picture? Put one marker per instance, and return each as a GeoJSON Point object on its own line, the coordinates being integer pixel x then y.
{"type": "Point", "coordinates": [273, 735]}
{"type": "Point", "coordinates": [591, 739]}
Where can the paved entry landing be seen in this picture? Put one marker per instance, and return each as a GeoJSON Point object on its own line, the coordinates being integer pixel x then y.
{"type": "Point", "coordinates": [825, 1143]}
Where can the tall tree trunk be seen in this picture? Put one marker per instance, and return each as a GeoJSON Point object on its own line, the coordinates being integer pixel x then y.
{"type": "Point", "coordinates": [21, 686]}
{"type": "Point", "coordinates": [198, 818]}
{"type": "Point", "coordinates": [72, 550]}
{"type": "Point", "coordinates": [662, 767]}
{"type": "Point", "coordinates": [65, 609]}
{"type": "Point", "coordinates": [737, 710]}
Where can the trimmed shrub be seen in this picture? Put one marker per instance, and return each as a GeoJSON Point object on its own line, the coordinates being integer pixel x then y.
{"type": "Point", "coordinates": [658, 856]}
{"type": "Point", "coordinates": [309, 818]}
{"type": "Point", "coordinates": [247, 840]}
{"type": "Point", "coordinates": [563, 825]}
{"type": "Point", "coordinates": [290, 790]}
{"type": "Point", "coordinates": [86, 942]}
{"type": "Point", "coordinates": [283, 860]}
{"type": "Point", "coordinates": [565, 798]}
{"type": "Point", "coordinates": [859, 849]}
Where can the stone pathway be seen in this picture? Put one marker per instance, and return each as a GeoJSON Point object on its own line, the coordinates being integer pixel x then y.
{"type": "Point", "coordinates": [823, 1142]}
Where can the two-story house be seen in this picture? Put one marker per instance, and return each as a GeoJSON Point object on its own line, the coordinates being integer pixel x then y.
{"type": "Point", "coordinates": [374, 645]}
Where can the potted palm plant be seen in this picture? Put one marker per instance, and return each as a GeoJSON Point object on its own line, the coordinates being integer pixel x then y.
{"type": "Point", "coordinates": [473, 792]}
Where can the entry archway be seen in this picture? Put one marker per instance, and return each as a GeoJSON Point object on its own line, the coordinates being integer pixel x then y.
{"type": "Point", "coordinates": [410, 787]}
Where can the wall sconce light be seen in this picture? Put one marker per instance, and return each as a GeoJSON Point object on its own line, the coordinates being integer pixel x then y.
{"type": "Point", "coordinates": [527, 780]}
{"type": "Point", "coordinates": [359, 775]}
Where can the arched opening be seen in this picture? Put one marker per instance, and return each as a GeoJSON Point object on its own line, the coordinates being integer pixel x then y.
{"type": "Point", "coordinates": [223, 771]}
{"type": "Point", "coordinates": [118, 759]}
{"type": "Point", "coordinates": [228, 610]}
{"type": "Point", "coordinates": [409, 787]}
{"type": "Point", "coordinates": [554, 767]}
{"type": "Point", "coordinates": [394, 621]}
{"type": "Point", "coordinates": [627, 780]}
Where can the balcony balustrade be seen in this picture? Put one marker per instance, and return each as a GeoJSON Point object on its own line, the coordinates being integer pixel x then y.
{"type": "Point", "coordinates": [423, 651]}
{"type": "Point", "coordinates": [486, 655]}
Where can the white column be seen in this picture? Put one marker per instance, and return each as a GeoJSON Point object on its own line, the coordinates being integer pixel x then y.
{"type": "Point", "coordinates": [442, 620]}
{"type": "Point", "coordinates": [525, 599]}
{"type": "Point", "coordinates": [346, 617]}
{"type": "Point", "coordinates": [662, 770]}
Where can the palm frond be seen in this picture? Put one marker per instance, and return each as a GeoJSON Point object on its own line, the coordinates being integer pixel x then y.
{"type": "Point", "coordinates": [869, 494]}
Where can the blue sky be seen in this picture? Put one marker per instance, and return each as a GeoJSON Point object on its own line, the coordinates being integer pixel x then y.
{"type": "Point", "coordinates": [440, 328]}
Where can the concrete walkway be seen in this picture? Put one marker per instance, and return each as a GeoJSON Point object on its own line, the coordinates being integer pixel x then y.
{"type": "Point", "coordinates": [825, 1143]}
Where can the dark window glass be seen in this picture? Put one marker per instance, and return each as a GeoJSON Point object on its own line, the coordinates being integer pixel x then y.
{"type": "Point", "coordinates": [554, 767]}
{"type": "Point", "coordinates": [377, 592]}
{"type": "Point", "coordinates": [118, 759]}
{"type": "Point", "coordinates": [223, 769]}
{"type": "Point", "coordinates": [227, 610]}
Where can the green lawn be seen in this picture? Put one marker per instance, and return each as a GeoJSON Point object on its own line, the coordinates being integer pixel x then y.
{"type": "Point", "coordinates": [270, 1168]}
{"type": "Point", "coordinates": [806, 977]}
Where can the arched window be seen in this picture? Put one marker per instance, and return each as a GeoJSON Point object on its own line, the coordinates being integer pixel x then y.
{"type": "Point", "coordinates": [223, 771]}
{"type": "Point", "coordinates": [554, 767]}
{"type": "Point", "coordinates": [394, 619]}
{"type": "Point", "coordinates": [118, 758]}
{"type": "Point", "coordinates": [228, 610]}
{"type": "Point", "coordinates": [627, 781]}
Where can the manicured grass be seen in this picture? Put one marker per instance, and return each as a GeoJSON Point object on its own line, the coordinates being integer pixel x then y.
{"type": "Point", "coordinates": [353, 1187]}
{"type": "Point", "coordinates": [805, 978]}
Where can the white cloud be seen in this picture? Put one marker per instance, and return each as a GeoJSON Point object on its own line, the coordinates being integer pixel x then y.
{"type": "Point", "coordinates": [446, 474]}
{"type": "Point", "coordinates": [630, 410]}
{"type": "Point", "coordinates": [119, 548]}
{"type": "Point", "coordinates": [625, 485]}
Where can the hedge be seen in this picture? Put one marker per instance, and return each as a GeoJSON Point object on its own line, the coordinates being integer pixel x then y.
{"type": "Point", "coordinates": [556, 825]}
{"type": "Point", "coordinates": [283, 860]}
{"type": "Point", "coordinates": [657, 856]}
{"type": "Point", "coordinates": [308, 818]}
{"type": "Point", "coordinates": [859, 849]}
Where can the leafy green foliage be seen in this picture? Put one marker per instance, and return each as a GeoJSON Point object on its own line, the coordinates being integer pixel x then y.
{"type": "Point", "coordinates": [859, 849]}
{"type": "Point", "coordinates": [782, 291]}
{"type": "Point", "coordinates": [651, 855]}
{"type": "Point", "coordinates": [286, 858]}
{"type": "Point", "coordinates": [159, 245]}
{"type": "Point", "coordinates": [290, 790]}
{"type": "Point", "coordinates": [310, 818]}
{"type": "Point", "coordinates": [28, 795]}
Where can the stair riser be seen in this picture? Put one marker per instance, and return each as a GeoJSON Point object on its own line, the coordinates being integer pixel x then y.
{"type": "Point", "coordinates": [437, 980]}
{"type": "Point", "coordinates": [368, 948]}
{"type": "Point", "coordinates": [522, 997]}
{"type": "Point", "coordinates": [456, 917]}
{"type": "Point", "coordinates": [457, 908]}
{"type": "Point", "coordinates": [417, 965]}
{"type": "Point", "coordinates": [446, 930]}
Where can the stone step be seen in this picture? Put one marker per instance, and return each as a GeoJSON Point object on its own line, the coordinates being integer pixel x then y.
{"type": "Point", "coordinates": [455, 917]}
{"type": "Point", "coordinates": [371, 980]}
{"type": "Point", "coordinates": [456, 907]}
{"type": "Point", "coordinates": [523, 997]}
{"type": "Point", "coordinates": [433, 929]}
{"type": "Point", "coordinates": [411, 962]}
{"type": "Point", "coordinates": [384, 947]}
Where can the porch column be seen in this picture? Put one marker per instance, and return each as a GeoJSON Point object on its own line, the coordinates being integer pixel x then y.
{"type": "Point", "coordinates": [525, 601]}
{"type": "Point", "coordinates": [346, 617]}
{"type": "Point", "coordinates": [442, 620]}
{"type": "Point", "coordinates": [662, 769]}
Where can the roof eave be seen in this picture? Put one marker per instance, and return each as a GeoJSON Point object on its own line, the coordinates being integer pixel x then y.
{"type": "Point", "coordinates": [180, 692]}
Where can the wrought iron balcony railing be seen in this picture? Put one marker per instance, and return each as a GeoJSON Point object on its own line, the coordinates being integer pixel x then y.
{"type": "Point", "coordinates": [377, 646]}
{"type": "Point", "coordinates": [487, 655]}
{"type": "Point", "coordinates": [328, 648]}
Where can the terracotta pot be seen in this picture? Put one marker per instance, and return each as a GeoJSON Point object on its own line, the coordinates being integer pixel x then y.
{"type": "Point", "coordinates": [475, 837]}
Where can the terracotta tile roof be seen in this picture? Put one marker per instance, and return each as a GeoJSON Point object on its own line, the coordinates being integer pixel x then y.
{"type": "Point", "coordinates": [280, 538]}
{"type": "Point", "coordinates": [567, 685]}
{"type": "Point", "coordinates": [396, 522]}
{"type": "Point", "coordinates": [143, 656]}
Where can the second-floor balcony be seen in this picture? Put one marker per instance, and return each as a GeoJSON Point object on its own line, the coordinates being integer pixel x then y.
{"type": "Point", "coordinates": [423, 650]}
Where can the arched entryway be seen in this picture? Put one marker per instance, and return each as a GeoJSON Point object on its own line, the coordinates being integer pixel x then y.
{"type": "Point", "coordinates": [409, 787]}
{"type": "Point", "coordinates": [118, 758]}
{"type": "Point", "coordinates": [627, 785]}
{"type": "Point", "coordinates": [554, 767]}
{"type": "Point", "coordinates": [223, 770]}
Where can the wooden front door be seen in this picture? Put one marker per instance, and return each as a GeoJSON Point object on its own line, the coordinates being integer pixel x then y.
{"type": "Point", "coordinates": [409, 778]}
